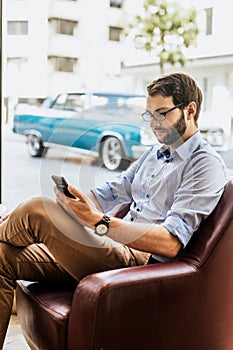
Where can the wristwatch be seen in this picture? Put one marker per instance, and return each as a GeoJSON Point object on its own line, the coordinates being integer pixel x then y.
{"type": "Point", "coordinates": [102, 227]}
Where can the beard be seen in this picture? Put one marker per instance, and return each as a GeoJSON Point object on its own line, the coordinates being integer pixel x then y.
{"type": "Point", "coordinates": [174, 132]}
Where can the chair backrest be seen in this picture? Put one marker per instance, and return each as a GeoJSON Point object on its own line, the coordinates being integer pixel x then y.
{"type": "Point", "coordinates": [185, 304]}
{"type": "Point", "coordinates": [211, 230]}
{"type": "Point", "coordinates": [210, 252]}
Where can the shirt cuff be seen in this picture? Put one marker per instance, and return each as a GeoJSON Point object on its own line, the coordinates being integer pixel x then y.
{"type": "Point", "coordinates": [105, 197]}
{"type": "Point", "coordinates": [178, 227]}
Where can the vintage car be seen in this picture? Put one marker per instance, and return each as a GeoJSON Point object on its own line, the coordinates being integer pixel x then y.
{"type": "Point", "coordinates": [104, 125]}
{"type": "Point", "coordinates": [107, 125]}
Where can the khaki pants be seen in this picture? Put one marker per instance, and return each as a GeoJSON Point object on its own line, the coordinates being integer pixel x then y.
{"type": "Point", "coordinates": [41, 242]}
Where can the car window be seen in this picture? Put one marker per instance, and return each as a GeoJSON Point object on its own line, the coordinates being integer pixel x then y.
{"type": "Point", "coordinates": [47, 103]}
{"type": "Point", "coordinates": [70, 102]}
{"type": "Point", "coordinates": [75, 102]}
{"type": "Point", "coordinates": [59, 102]}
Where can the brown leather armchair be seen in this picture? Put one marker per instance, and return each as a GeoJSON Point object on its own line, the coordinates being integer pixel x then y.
{"type": "Point", "coordinates": [185, 305]}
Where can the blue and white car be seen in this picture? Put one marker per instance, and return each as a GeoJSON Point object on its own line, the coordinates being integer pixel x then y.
{"type": "Point", "coordinates": [105, 125]}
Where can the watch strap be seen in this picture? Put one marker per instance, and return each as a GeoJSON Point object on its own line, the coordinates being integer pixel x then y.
{"type": "Point", "coordinates": [105, 220]}
{"type": "Point", "coordinates": [102, 226]}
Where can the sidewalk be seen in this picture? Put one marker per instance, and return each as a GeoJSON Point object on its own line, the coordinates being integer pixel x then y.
{"type": "Point", "coordinates": [15, 339]}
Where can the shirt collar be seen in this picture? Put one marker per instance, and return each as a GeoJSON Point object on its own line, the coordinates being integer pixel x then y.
{"type": "Point", "coordinates": [184, 150]}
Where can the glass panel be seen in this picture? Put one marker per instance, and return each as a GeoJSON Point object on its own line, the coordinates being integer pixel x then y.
{"type": "Point", "coordinates": [209, 21]}
{"type": "Point", "coordinates": [116, 3]}
{"type": "Point", "coordinates": [17, 27]}
{"type": "Point", "coordinates": [114, 33]}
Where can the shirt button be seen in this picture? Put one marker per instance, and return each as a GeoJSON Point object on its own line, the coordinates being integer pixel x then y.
{"type": "Point", "coordinates": [131, 219]}
{"type": "Point", "coordinates": [147, 196]}
{"type": "Point", "coordinates": [138, 209]}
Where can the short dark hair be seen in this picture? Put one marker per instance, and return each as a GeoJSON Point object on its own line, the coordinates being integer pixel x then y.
{"type": "Point", "coordinates": [182, 87]}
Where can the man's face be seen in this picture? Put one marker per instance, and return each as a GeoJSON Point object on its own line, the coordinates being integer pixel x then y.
{"type": "Point", "coordinates": [170, 130]}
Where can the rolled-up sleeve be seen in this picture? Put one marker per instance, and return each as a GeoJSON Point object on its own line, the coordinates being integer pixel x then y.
{"type": "Point", "coordinates": [113, 193]}
{"type": "Point", "coordinates": [179, 227]}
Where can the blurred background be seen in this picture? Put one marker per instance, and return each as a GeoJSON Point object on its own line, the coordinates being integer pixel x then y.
{"type": "Point", "coordinates": [54, 46]}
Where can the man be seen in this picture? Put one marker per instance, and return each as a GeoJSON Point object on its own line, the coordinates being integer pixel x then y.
{"type": "Point", "coordinates": [170, 191]}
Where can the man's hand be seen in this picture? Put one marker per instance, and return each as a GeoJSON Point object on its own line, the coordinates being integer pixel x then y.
{"type": "Point", "coordinates": [81, 208]}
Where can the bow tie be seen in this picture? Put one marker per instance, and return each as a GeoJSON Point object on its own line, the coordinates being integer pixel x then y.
{"type": "Point", "coordinates": [163, 153]}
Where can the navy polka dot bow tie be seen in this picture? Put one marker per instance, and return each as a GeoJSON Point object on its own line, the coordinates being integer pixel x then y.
{"type": "Point", "coordinates": [163, 153]}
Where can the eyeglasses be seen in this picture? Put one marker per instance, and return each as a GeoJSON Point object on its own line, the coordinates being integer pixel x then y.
{"type": "Point", "coordinates": [159, 116]}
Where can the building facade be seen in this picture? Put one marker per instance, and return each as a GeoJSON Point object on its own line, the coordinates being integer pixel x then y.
{"type": "Point", "coordinates": [52, 46]}
{"type": "Point", "coordinates": [60, 45]}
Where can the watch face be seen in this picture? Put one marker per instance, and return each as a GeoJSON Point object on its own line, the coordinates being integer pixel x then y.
{"type": "Point", "coordinates": [101, 229]}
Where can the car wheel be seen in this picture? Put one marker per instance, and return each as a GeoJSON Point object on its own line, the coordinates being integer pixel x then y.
{"type": "Point", "coordinates": [35, 147]}
{"type": "Point", "coordinates": [112, 155]}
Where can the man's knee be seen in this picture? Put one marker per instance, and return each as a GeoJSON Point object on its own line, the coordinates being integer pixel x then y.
{"type": "Point", "coordinates": [35, 207]}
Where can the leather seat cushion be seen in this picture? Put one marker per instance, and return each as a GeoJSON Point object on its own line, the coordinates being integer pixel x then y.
{"type": "Point", "coordinates": [44, 313]}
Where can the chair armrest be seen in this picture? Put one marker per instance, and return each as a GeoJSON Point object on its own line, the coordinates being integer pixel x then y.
{"type": "Point", "coordinates": [119, 299]}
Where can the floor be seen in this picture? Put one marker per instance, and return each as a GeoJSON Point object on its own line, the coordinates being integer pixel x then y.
{"type": "Point", "coordinates": [14, 339]}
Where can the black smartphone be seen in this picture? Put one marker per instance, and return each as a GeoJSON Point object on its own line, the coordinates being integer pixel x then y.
{"type": "Point", "coordinates": [62, 185]}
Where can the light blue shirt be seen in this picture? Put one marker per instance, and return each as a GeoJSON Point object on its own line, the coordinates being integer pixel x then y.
{"type": "Point", "coordinates": [177, 192]}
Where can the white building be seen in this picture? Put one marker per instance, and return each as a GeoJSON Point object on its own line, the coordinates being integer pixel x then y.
{"type": "Point", "coordinates": [57, 45]}
{"type": "Point", "coordinates": [52, 46]}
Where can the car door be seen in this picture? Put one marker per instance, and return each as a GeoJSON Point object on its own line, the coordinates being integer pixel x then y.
{"type": "Point", "coordinates": [65, 128]}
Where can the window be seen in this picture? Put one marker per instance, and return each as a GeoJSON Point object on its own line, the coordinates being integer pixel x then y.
{"type": "Point", "coordinates": [207, 86]}
{"type": "Point", "coordinates": [70, 102]}
{"type": "Point", "coordinates": [63, 26]}
{"type": "Point", "coordinates": [74, 102]}
{"type": "Point", "coordinates": [116, 3]}
{"type": "Point", "coordinates": [17, 60]}
{"type": "Point", "coordinates": [209, 21]}
{"type": "Point", "coordinates": [115, 33]}
{"type": "Point", "coordinates": [63, 64]}
{"type": "Point", "coordinates": [17, 27]}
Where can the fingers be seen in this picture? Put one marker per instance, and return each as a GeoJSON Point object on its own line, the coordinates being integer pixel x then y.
{"type": "Point", "coordinates": [76, 192]}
